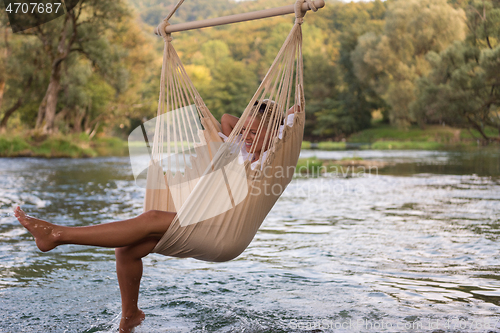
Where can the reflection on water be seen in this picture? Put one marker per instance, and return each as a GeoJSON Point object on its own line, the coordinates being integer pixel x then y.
{"type": "Point", "coordinates": [419, 250]}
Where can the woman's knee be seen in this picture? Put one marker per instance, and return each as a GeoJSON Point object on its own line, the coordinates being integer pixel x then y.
{"type": "Point", "coordinates": [158, 215]}
{"type": "Point", "coordinates": [122, 252]}
{"type": "Point", "coordinates": [136, 251]}
{"type": "Point", "coordinates": [156, 222]}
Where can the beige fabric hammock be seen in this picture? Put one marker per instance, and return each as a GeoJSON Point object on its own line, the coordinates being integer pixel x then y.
{"type": "Point", "coordinates": [220, 199]}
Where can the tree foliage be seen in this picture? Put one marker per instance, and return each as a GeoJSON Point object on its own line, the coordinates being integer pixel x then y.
{"type": "Point", "coordinates": [393, 61]}
{"type": "Point", "coordinates": [347, 106]}
{"type": "Point", "coordinates": [417, 61]}
{"type": "Point", "coordinates": [463, 88]}
{"type": "Point", "coordinates": [78, 68]}
{"type": "Point", "coordinates": [23, 76]}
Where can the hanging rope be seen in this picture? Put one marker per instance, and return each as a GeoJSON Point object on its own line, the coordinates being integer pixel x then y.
{"type": "Point", "coordinates": [161, 27]}
{"type": "Point", "coordinates": [173, 11]}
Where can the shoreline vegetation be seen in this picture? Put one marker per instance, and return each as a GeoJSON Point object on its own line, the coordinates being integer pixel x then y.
{"type": "Point", "coordinates": [370, 77]}
{"type": "Point", "coordinates": [59, 146]}
{"type": "Point", "coordinates": [384, 137]}
{"type": "Point", "coordinates": [364, 84]}
{"type": "Point", "coordinates": [379, 137]}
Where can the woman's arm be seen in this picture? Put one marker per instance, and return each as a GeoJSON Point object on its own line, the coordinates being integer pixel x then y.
{"type": "Point", "coordinates": [293, 109]}
{"type": "Point", "coordinates": [228, 122]}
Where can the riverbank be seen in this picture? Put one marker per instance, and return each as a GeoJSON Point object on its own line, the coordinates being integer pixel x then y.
{"type": "Point", "coordinates": [380, 137]}
{"type": "Point", "coordinates": [384, 136]}
{"type": "Point", "coordinates": [74, 146]}
{"type": "Point", "coordinates": [345, 167]}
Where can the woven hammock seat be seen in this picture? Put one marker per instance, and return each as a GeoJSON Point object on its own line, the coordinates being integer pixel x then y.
{"type": "Point", "coordinates": [221, 199]}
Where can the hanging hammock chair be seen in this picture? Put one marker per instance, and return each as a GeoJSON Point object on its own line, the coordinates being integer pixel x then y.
{"type": "Point", "coordinates": [220, 198]}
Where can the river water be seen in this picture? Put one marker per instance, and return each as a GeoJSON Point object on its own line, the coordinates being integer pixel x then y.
{"type": "Point", "coordinates": [409, 248]}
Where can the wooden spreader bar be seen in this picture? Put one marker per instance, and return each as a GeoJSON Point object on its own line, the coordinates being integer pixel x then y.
{"type": "Point", "coordinates": [260, 14]}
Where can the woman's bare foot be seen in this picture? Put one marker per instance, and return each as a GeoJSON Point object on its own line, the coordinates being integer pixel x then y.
{"type": "Point", "coordinates": [128, 323]}
{"type": "Point", "coordinates": [45, 233]}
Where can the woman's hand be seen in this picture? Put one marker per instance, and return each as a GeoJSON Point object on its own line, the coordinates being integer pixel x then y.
{"type": "Point", "coordinates": [228, 122]}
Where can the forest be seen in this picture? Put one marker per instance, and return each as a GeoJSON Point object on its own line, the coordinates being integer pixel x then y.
{"type": "Point", "coordinates": [96, 70]}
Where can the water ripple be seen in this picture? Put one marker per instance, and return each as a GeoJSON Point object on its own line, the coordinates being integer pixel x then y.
{"type": "Point", "coordinates": [416, 250]}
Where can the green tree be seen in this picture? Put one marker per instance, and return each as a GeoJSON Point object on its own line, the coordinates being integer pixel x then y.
{"type": "Point", "coordinates": [84, 99]}
{"type": "Point", "coordinates": [230, 84]}
{"type": "Point", "coordinates": [22, 73]}
{"type": "Point", "coordinates": [391, 63]}
{"type": "Point", "coordinates": [321, 79]}
{"type": "Point", "coordinates": [81, 30]}
{"type": "Point", "coordinates": [463, 88]}
{"type": "Point", "coordinates": [152, 12]}
{"type": "Point", "coordinates": [93, 76]}
{"type": "Point", "coordinates": [350, 109]}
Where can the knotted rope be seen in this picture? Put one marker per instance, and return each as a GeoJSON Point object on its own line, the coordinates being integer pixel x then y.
{"type": "Point", "coordinates": [161, 27]}
{"type": "Point", "coordinates": [299, 13]}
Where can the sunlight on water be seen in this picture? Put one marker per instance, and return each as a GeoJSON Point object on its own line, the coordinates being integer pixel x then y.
{"type": "Point", "coordinates": [363, 254]}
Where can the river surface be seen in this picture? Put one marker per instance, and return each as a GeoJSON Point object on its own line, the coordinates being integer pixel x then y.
{"type": "Point", "coordinates": [413, 247]}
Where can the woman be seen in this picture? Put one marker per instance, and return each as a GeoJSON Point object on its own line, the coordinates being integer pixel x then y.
{"type": "Point", "coordinates": [135, 238]}
{"type": "Point", "coordinates": [252, 136]}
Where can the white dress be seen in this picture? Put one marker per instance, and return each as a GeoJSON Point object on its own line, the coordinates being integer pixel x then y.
{"type": "Point", "coordinates": [246, 155]}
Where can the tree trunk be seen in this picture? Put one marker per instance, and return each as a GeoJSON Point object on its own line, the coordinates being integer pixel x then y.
{"type": "Point", "coordinates": [2, 89]}
{"type": "Point", "coordinates": [478, 128]}
{"type": "Point", "coordinates": [94, 131]}
{"type": "Point", "coordinates": [62, 116]}
{"type": "Point", "coordinates": [6, 53]}
{"type": "Point", "coordinates": [78, 119]}
{"type": "Point", "coordinates": [47, 109]}
{"type": "Point", "coordinates": [8, 113]}
{"type": "Point", "coordinates": [19, 103]}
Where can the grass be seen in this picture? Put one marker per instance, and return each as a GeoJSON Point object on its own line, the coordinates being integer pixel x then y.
{"type": "Point", "coordinates": [407, 145]}
{"type": "Point", "coordinates": [381, 136]}
{"type": "Point", "coordinates": [330, 145]}
{"type": "Point", "coordinates": [430, 138]}
{"type": "Point", "coordinates": [325, 145]}
{"type": "Point", "coordinates": [309, 166]}
{"type": "Point", "coordinates": [354, 158]}
{"type": "Point", "coordinates": [13, 146]}
{"type": "Point", "coordinates": [443, 134]}
{"type": "Point", "coordinates": [384, 136]}
{"type": "Point", "coordinates": [60, 146]}
{"type": "Point", "coordinates": [489, 131]}
{"type": "Point", "coordinates": [110, 146]}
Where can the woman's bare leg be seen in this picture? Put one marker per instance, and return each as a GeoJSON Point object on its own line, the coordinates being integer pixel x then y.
{"type": "Point", "coordinates": [129, 272]}
{"type": "Point", "coordinates": [115, 234]}
{"type": "Point", "coordinates": [133, 239]}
